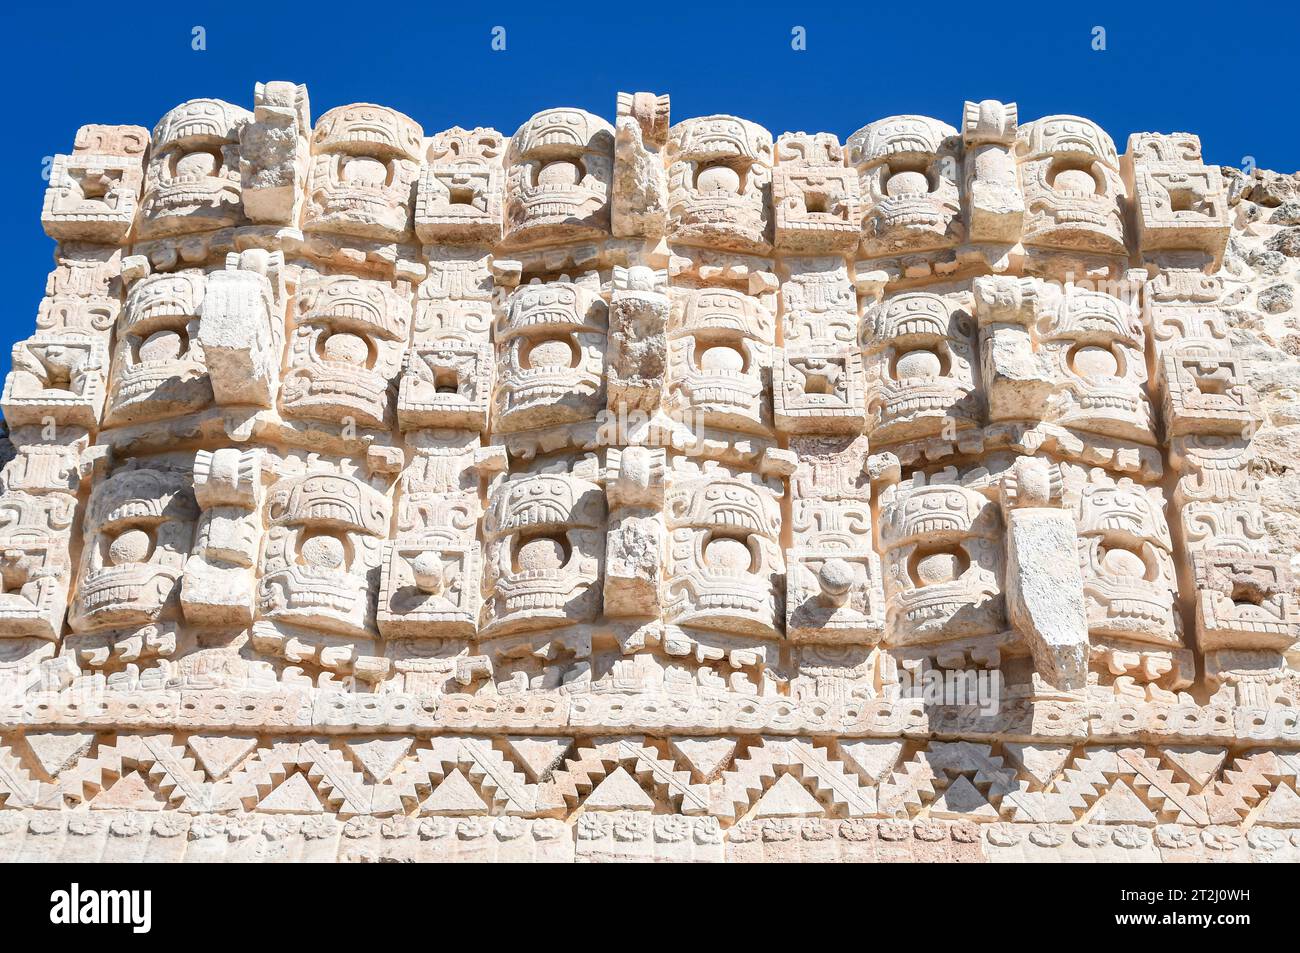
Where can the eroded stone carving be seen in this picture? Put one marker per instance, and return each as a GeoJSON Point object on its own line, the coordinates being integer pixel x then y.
{"type": "Point", "coordinates": [619, 492]}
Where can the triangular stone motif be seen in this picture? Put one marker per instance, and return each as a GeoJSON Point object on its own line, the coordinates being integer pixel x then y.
{"type": "Point", "coordinates": [706, 756]}
{"type": "Point", "coordinates": [1042, 762]}
{"type": "Point", "coordinates": [1120, 805]}
{"type": "Point", "coordinates": [538, 754]}
{"type": "Point", "coordinates": [1282, 808]}
{"type": "Point", "coordinates": [872, 758]}
{"type": "Point", "coordinates": [618, 792]}
{"type": "Point", "coordinates": [961, 798]}
{"type": "Point", "coordinates": [293, 795]}
{"type": "Point", "coordinates": [1198, 765]}
{"type": "Point", "coordinates": [788, 798]}
{"type": "Point", "coordinates": [217, 755]}
{"type": "Point", "coordinates": [455, 795]}
{"type": "Point", "coordinates": [55, 750]}
{"type": "Point", "coordinates": [130, 792]}
{"type": "Point", "coordinates": [378, 757]}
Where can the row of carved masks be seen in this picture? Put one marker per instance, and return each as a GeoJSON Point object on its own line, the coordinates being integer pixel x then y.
{"type": "Point", "coordinates": [720, 345]}
{"type": "Point", "coordinates": [943, 558]}
{"type": "Point", "coordinates": [192, 182]}
{"type": "Point", "coordinates": [319, 565]}
{"type": "Point", "coordinates": [550, 356]}
{"type": "Point", "coordinates": [362, 181]}
{"type": "Point", "coordinates": [559, 178]}
{"type": "Point", "coordinates": [919, 351]}
{"type": "Point", "coordinates": [1074, 195]}
{"type": "Point", "coordinates": [345, 351]}
{"type": "Point", "coordinates": [719, 183]}
{"type": "Point", "coordinates": [139, 528]}
{"type": "Point", "coordinates": [724, 551]}
{"type": "Point", "coordinates": [365, 164]}
{"type": "Point", "coordinates": [543, 553]}
{"type": "Point", "coordinates": [322, 554]}
{"type": "Point", "coordinates": [1125, 554]}
{"type": "Point", "coordinates": [909, 170]}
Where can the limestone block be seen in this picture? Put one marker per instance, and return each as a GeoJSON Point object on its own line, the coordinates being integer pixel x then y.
{"type": "Point", "coordinates": [235, 332]}
{"type": "Point", "coordinates": [995, 207]}
{"type": "Point", "coordinates": [816, 202]}
{"type": "Point", "coordinates": [274, 152]}
{"type": "Point", "coordinates": [818, 391]}
{"type": "Point", "coordinates": [1044, 586]}
{"type": "Point", "coordinates": [459, 199]}
{"type": "Point", "coordinates": [1179, 202]}
{"type": "Point", "coordinates": [56, 377]}
{"type": "Point", "coordinates": [637, 359]}
{"type": "Point", "coordinates": [908, 167]}
{"type": "Point", "coordinates": [92, 198]}
{"type": "Point", "coordinates": [217, 587]}
{"type": "Point", "coordinates": [551, 355]}
{"type": "Point", "coordinates": [158, 366]}
{"type": "Point", "coordinates": [1205, 394]}
{"type": "Point", "coordinates": [429, 589]}
{"type": "Point", "coordinates": [633, 566]}
{"type": "Point", "coordinates": [719, 177]}
{"type": "Point", "coordinates": [1074, 195]}
{"type": "Point", "coordinates": [559, 178]}
{"type": "Point", "coordinates": [1244, 602]}
{"type": "Point", "coordinates": [447, 384]}
{"type": "Point", "coordinates": [640, 199]}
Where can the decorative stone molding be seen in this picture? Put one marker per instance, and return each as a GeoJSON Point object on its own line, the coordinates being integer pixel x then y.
{"type": "Point", "coordinates": [651, 491]}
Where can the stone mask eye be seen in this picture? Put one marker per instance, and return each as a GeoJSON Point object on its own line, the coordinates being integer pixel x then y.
{"type": "Point", "coordinates": [542, 553]}
{"type": "Point", "coordinates": [168, 344]}
{"type": "Point", "coordinates": [364, 172]}
{"type": "Point", "coordinates": [930, 566]}
{"type": "Point", "coordinates": [344, 347]}
{"type": "Point", "coordinates": [326, 551]}
{"type": "Point", "coordinates": [129, 546]}
{"type": "Point", "coordinates": [196, 165]}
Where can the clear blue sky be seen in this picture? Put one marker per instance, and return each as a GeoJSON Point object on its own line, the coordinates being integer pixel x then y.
{"type": "Point", "coordinates": [1225, 71]}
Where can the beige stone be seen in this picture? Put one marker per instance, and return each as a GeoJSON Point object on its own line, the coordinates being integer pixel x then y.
{"type": "Point", "coordinates": [651, 491]}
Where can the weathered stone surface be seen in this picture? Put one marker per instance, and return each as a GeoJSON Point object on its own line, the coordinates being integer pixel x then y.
{"type": "Point", "coordinates": [652, 491]}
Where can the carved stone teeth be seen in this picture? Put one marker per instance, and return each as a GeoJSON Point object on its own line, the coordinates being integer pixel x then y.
{"type": "Point", "coordinates": [276, 601]}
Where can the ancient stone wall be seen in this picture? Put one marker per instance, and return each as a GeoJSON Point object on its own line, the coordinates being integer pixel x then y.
{"type": "Point", "coordinates": [652, 491]}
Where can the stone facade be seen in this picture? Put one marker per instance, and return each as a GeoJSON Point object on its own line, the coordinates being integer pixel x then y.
{"type": "Point", "coordinates": [652, 491]}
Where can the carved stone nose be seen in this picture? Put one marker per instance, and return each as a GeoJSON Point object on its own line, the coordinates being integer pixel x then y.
{"type": "Point", "coordinates": [836, 579]}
